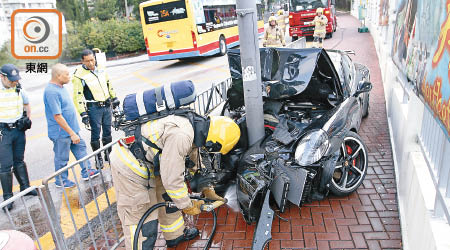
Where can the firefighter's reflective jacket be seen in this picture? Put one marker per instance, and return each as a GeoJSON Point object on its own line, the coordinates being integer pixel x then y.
{"type": "Point", "coordinates": [175, 136]}
{"type": "Point", "coordinates": [90, 86]}
{"type": "Point", "coordinates": [320, 26]}
{"type": "Point", "coordinates": [273, 37]}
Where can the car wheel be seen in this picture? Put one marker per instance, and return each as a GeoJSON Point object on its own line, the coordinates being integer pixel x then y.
{"type": "Point", "coordinates": [366, 106]}
{"type": "Point", "coordinates": [351, 167]}
{"type": "Point", "coordinates": [294, 38]}
{"type": "Point", "coordinates": [222, 46]}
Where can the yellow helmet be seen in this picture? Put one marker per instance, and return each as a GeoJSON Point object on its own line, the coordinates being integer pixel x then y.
{"type": "Point", "coordinates": [223, 134]}
{"type": "Point", "coordinates": [319, 10]}
{"type": "Point", "coordinates": [272, 18]}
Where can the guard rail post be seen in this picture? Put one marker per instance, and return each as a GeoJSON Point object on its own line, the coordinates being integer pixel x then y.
{"type": "Point", "coordinates": [53, 220]}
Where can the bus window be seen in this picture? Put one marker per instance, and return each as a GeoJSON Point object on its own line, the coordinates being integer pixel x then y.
{"type": "Point", "coordinates": [165, 12]}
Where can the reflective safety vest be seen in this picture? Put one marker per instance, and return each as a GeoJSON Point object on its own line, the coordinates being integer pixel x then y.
{"type": "Point", "coordinates": [320, 25]}
{"type": "Point", "coordinates": [96, 82]}
{"type": "Point", "coordinates": [11, 105]}
{"type": "Point", "coordinates": [128, 160]}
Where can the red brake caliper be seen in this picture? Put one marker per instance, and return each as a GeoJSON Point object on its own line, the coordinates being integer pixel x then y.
{"type": "Point", "coordinates": [349, 152]}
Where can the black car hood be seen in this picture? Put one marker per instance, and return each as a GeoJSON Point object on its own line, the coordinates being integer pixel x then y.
{"type": "Point", "coordinates": [287, 72]}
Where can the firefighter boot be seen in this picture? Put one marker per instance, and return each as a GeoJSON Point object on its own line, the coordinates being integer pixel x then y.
{"type": "Point", "coordinates": [21, 173]}
{"type": "Point", "coordinates": [98, 158]}
{"type": "Point", "coordinates": [106, 141]}
{"type": "Point", "coordinates": [188, 234]}
{"type": "Point", "coordinates": [7, 181]}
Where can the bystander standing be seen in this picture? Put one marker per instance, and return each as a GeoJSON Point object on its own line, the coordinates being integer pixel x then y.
{"type": "Point", "coordinates": [63, 128]}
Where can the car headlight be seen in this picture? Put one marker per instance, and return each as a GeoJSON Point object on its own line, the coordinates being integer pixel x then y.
{"type": "Point", "coordinates": [312, 147]}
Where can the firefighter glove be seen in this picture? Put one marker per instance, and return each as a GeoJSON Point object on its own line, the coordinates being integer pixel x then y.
{"type": "Point", "coordinates": [85, 118]}
{"type": "Point", "coordinates": [115, 102]}
{"type": "Point", "coordinates": [209, 193]}
{"type": "Point", "coordinates": [195, 208]}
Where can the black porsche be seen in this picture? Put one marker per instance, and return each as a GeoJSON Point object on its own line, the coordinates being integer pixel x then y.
{"type": "Point", "coordinates": [314, 101]}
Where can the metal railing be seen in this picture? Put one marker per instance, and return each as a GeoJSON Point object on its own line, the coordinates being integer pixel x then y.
{"type": "Point", "coordinates": [96, 189]}
{"type": "Point", "coordinates": [435, 147]}
{"type": "Point", "coordinates": [211, 98]}
{"type": "Point", "coordinates": [86, 210]}
{"type": "Point", "coordinates": [30, 227]}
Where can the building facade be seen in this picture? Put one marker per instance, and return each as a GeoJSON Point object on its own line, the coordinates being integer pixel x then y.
{"type": "Point", "coordinates": [8, 6]}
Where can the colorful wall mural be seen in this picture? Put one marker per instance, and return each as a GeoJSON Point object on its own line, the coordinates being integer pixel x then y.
{"type": "Point", "coordinates": [421, 48]}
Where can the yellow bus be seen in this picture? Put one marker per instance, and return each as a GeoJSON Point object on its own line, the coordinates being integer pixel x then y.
{"type": "Point", "coordinates": [191, 28]}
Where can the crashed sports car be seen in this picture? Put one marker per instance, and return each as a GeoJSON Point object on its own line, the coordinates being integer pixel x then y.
{"type": "Point", "coordinates": [314, 101]}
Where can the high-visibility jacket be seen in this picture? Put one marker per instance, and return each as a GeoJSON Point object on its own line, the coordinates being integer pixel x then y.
{"type": "Point", "coordinates": [320, 26]}
{"type": "Point", "coordinates": [98, 84]}
{"type": "Point", "coordinates": [11, 105]}
{"type": "Point", "coordinates": [273, 37]}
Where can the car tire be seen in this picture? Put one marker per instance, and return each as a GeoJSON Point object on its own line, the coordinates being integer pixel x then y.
{"type": "Point", "coordinates": [352, 163]}
{"type": "Point", "coordinates": [366, 107]}
{"type": "Point", "coordinates": [222, 46]}
{"type": "Point", "coordinates": [294, 38]}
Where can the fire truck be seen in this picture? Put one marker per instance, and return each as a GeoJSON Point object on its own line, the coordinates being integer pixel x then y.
{"type": "Point", "coordinates": [302, 13]}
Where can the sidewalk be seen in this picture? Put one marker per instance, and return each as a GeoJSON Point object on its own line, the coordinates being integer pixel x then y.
{"type": "Point", "coordinates": [367, 219]}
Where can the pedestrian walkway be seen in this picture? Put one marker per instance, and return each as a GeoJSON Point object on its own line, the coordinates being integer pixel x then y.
{"type": "Point", "coordinates": [367, 219]}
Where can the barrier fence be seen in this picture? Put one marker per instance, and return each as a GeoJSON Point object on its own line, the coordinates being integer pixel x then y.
{"type": "Point", "coordinates": [87, 206]}
{"type": "Point", "coordinates": [211, 98]}
{"type": "Point", "coordinates": [85, 216]}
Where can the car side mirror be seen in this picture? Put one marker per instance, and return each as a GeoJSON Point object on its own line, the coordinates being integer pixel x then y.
{"type": "Point", "coordinates": [363, 86]}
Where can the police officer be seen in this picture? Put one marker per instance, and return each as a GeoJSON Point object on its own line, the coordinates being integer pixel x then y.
{"type": "Point", "coordinates": [139, 186]}
{"type": "Point", "coordinates": [13, 123]}
{"type": "Point", "coordinates": [273, 36]}
{"type": "Point", "coordinates": [320, 22]}
{"type": "Point", "coordinates": [94, 96]}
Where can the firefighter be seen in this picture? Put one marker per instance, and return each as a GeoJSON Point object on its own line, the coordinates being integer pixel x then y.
{"type": "Point", "coordinates": [320, 22]}
{"type": "Point", "coordinates": [140, 184]}
{"type": "Point", "coordinates": [273, 36]}
{"type": "Point", "coordinates": [94, 99]}
{"type": "Point", "coordinates": [13, 123]}
{"type": "Point", "coordinates": [281, 21]}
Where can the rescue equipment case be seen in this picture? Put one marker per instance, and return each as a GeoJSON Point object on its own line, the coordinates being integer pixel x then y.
{"type": "Point", "coordinates": [169, 96]}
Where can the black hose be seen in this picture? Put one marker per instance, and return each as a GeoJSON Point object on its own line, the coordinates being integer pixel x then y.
{"type": "Point", "coordinates": [162, 204]}
{"type": "Point", "coordinates": [208, 244]}
{"type": "Point", "coordinates": [141, 222]}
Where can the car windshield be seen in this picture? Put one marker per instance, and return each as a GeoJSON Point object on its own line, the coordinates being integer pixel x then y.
{"type": "Point", "coordinates": [336, 58]}
{"type": "Point", "coordinates": [298, 5]}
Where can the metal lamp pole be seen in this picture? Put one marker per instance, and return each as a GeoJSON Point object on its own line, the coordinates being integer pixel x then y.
{"type": "Point", "coordinates": [251, 68]}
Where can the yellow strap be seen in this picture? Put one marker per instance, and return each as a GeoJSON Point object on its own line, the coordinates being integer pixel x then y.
{"type": "Point", "coordinates": [174, 226]}
{"type": "Point", "coordinates": [133, 164]}
{"type": "Point", "coordinates": [179, 193]}
{"type": "Point", "coordinates": [153, 134]}
{"type": "Point", "coordinates": [132, 232]}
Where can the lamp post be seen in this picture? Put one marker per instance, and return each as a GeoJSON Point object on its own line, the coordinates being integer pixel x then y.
{"type": "Point", "coordinates": [251, 68]}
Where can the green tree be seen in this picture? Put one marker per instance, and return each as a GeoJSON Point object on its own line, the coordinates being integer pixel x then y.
{"type": "Point", "coordinates": [5, 54]}
{"type": "Point", "coordinates": [70, 9]}
{"type": "Point", "coordinates": [135, 4]}
{"type": "Point", "coordinates": [86, 10]}
{"type": "Point", "coordinates": [105, 9]}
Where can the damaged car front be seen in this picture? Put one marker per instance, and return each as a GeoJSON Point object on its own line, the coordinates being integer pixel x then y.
{"type": "Point", "coordinates": [311, 116]}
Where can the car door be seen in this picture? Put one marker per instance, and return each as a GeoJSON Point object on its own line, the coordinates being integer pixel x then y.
{"type": "Point", "coordinates": [355, 112]}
